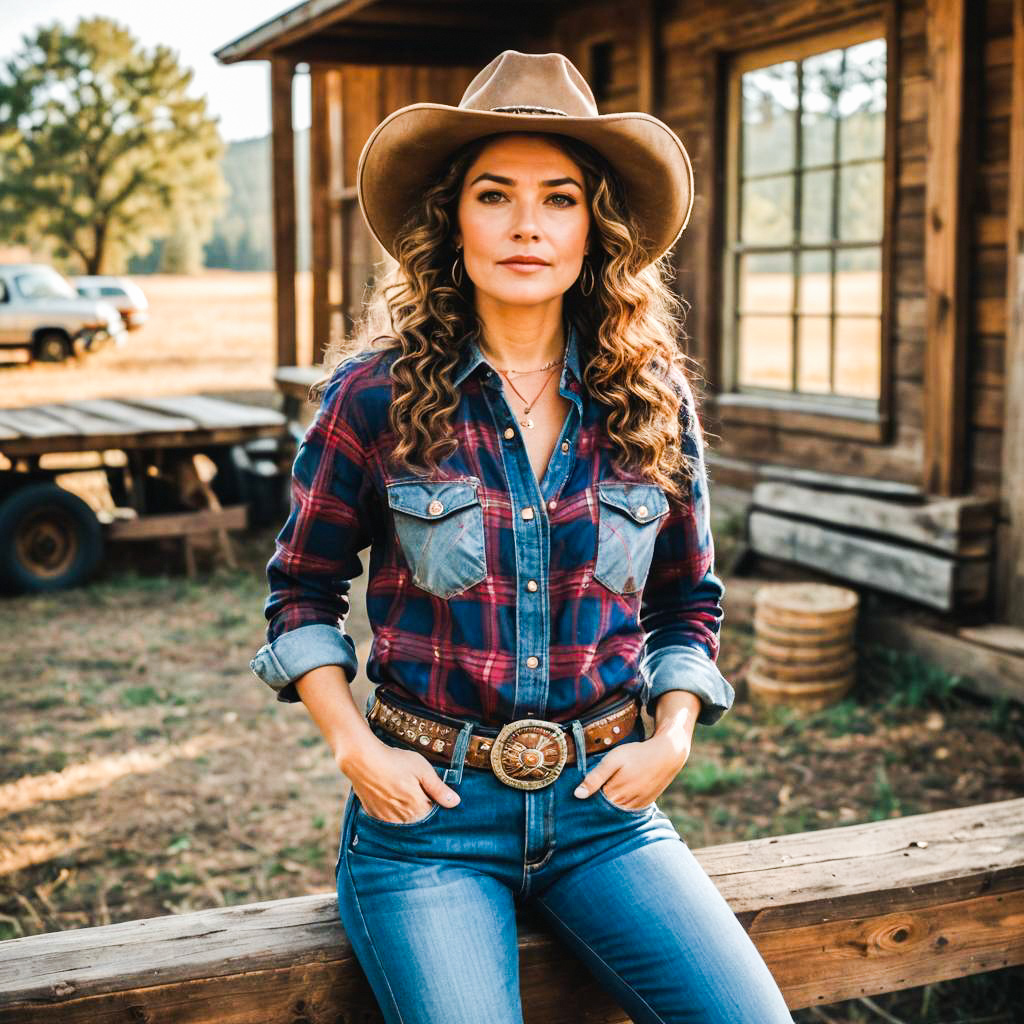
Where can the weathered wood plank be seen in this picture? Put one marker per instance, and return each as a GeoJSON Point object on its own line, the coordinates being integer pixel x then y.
{"type": "Point", "coordinates": [936, 523]}
{"type": "Point", "coordinates": [295, 381]}
{"type": "Point", "coordinates": [211, 413]}
{"type": "Point", "coordinates": [30, 422]}
{"type": "Point", "coordinates": [933, 579]}
{"type": "Point", "coordinates": [855, 910]}
{"type": "Point", "coordinates": [994, 673]}
{"type": "Point", "coordinates": [130, 418]}
{"type": "Point", "coordinates": [179, 524]}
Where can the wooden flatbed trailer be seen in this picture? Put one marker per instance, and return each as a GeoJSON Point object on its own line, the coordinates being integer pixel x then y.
{"type": "Point", "coordinates": [149, 449]}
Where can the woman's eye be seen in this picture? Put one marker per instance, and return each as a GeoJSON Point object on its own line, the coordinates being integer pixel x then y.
{"type": "Point", "coordinates": [566, 200]}
{"type": "Point", "coordinates": [483, 197]}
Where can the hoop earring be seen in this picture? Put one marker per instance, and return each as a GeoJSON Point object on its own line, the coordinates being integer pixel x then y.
{"type": "Point", "coordinates": [455, 266]}
{"type": "Point", "coordinates": [587, 270]}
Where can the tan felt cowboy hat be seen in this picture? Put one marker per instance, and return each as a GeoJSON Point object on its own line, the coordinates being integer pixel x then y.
{"type": "Point", "coordinates": [528, 92]}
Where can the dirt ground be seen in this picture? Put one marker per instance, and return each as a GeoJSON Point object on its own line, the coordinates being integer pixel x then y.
{"type": "Point", "coordinates": [145, 771]}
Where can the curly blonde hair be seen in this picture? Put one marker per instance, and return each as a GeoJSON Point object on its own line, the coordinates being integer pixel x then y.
{"type": "Point", "coordinates": [628, 328]}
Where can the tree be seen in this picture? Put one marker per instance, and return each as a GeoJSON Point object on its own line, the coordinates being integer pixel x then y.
{"type": "Point", "coordinates": [101, 147]}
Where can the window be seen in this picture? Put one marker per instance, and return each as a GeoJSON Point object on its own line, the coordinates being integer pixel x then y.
{"type": "Point", "coordinates": [805, 222]}
{"type": "Point", "coordinates": [43, 283]}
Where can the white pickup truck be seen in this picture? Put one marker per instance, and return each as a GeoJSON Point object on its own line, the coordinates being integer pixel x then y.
{"type": "Point", "coordinates": [41, 312]}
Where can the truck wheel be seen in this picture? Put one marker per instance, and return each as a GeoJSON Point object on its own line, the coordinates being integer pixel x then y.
{"type": "Point", "coordinates": [52, 347]}
{"type": "Point", "coordinates": [49, 539]}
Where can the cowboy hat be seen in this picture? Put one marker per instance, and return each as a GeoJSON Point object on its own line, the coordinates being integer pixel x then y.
{"type": "Point", "coordinates": [526, 92]}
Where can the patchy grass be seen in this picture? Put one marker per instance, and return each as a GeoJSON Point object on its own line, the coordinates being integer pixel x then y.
{"type": "Point", "coordinates": [144, 771]}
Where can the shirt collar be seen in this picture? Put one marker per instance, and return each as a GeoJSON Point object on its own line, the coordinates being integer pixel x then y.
{"type": "Point", "coordinates": [472, 357]}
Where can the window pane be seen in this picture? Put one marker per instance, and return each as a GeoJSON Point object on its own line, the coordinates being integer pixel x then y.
{"type": "Point", "coordinates": [858, 356]}
{"type": "Point", "coordinates": [815, 282]}
{"type": "Point", "coordinates": [766, 282]}
{"type": "Point", "coordinates": [861, 198]}
{"type": "Point", "coordinates": [768, 139]}
{"type": "Point", "coordinates": [821, 88]}
{"type": "Point", "coordinates": [862, 103]}
{"type": "Point", "coordinates": [816, 207]}
{"type": "Point", "coordinates": [813, 357]}
{"type": "Point", "coordinates": [767, 211]}
{"type": "Point", "coordinates": [859, 281]}
{"type": "Point", "coordinates": [766, 351]}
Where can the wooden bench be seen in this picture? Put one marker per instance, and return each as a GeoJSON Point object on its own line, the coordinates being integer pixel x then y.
{"type": "Point", "coordinates": [837, 913]}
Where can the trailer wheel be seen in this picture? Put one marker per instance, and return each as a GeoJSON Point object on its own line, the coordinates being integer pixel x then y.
{"type": "Point", "coordinates": [49, 539]}
{"type": "Point", "coordinates": [52, 347]}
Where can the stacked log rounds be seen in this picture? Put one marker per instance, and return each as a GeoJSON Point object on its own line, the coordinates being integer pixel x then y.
{"type": "Point", "coordinates": [804, 654]}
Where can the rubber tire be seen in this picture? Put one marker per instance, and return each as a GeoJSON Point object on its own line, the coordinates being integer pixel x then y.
{"type": "Point", "coordinates": [14, 574]}
{"type": "Point", "coordinates": [43, 357]}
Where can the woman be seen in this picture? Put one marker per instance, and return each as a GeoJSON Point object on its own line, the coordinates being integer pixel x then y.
{"type": "Point", "coordinates": [520, 449]}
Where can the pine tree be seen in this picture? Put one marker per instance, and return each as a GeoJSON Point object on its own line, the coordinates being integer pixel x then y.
{"type": "Point", "coordinates": [102, 149]}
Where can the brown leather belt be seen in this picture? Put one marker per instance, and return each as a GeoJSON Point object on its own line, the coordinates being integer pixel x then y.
{"type": "Point", "coordinates": [526, 754]}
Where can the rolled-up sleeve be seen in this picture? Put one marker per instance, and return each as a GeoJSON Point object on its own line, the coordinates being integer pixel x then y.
{"type": "Point", "coordinates": [681, 610]}
{"type": "Point", "coordinates": [316, 553]}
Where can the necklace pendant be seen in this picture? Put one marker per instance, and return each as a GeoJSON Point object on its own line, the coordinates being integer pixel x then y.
{"type": "Point", "coordinates": [527, 422]}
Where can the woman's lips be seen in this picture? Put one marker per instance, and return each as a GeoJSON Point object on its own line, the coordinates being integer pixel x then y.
{"type": "Point", "coordinates": [522, 266]}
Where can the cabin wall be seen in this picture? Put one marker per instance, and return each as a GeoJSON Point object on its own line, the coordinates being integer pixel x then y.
{"type": "Point", "coordinates": [692, 44]}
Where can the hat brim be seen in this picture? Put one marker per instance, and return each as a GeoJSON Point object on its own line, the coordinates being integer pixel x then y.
{"type": "Point", "coordinates": [411, 146]}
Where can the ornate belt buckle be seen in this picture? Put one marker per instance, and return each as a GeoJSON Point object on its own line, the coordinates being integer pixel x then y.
{"type": "Point", "coordinates": [529, 753]}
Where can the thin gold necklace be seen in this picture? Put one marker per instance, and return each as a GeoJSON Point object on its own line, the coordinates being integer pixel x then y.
{"type": "Point", "coordinates": [526, 420]}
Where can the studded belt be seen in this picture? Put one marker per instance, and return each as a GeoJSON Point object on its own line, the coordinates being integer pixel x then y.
{"type": "Point", "coordinates": [528, 753]}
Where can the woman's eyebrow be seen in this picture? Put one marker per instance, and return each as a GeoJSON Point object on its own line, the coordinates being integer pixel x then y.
{"type": "Point", "coordinates": [550, 183]}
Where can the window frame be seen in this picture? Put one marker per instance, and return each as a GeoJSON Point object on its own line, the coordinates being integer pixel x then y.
{"type": "Point", "coordinates": [846, 416]}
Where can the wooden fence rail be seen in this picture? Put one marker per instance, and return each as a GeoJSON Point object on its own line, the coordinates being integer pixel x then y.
{"type": "Point", "coordinates": [837, 913]}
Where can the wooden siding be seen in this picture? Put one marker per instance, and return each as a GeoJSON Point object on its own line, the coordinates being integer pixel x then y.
{"type": "Point", "coordinates": [693, 45]}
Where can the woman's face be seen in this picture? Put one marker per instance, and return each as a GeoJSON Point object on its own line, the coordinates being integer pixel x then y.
{"type": "Point", "coordinates": [523, 197]}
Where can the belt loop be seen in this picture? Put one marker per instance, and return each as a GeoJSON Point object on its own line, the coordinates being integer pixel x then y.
{"type": "Point", "coordinates": [454, 773]}
{"type": "Point", "coordinates": [581, 745]}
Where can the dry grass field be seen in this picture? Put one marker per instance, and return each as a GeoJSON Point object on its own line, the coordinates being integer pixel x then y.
{"type": "Point", "coordinates": [208, 332]}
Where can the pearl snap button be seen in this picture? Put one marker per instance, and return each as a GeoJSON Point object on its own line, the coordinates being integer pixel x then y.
{"type": "Point", "coordinates": [531, 585]}
{"type": "Point", "coordinates": [509, 433]}
{"type": "Point", "coordinates": [528, 512]}
{"type": "Point", "coordinates": [435, 508]}
{"type": "Point", "coordinates": [642, 511]}
{"type": "Point", "coordinates": [552, 504]}
{"type": "Point", "coordinates": [565, 446]}
{"type": "Point", "coordinates": [532, 661]}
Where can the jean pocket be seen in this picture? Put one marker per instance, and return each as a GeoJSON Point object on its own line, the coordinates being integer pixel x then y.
{"type": "Point", "coordinates": [366, 816]}
{"type": "Point", "coordinates": [440, 526]}
{"type": "Point", "coordinates": [629, 517]}
{"type": "Point", "coordinates": [607, 801]}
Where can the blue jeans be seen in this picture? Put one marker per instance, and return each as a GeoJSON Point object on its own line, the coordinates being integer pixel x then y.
{"type": "Point", "coordinates": [430, 906]}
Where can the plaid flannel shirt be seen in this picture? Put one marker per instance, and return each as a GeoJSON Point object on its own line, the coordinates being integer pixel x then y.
{"type": "Point", "coordinates": [492, 596]}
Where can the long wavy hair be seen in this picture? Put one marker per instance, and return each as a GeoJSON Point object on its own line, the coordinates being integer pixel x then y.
{"type": "Point", "coordinates": [629, 328]}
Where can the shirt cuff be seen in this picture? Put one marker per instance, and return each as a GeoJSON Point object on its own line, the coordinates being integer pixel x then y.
{"type": "Point", "coordinates": [688, 668]}
{"type": "Point", "coordinates": [292, 654]}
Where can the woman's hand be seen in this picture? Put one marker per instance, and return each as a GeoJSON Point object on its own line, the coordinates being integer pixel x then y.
{"type": "Point", "coordinates": [634, 775]}
{"type": "Point", "coordinates": [395, 784]}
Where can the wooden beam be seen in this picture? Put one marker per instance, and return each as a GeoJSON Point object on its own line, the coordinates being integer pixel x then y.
{"type": "Point", "coordinates": [836, 913]}
{"type": "Point", "coordinates": [1010, 581]}
{"type": "Point", "coordinates": [952, 526]}
{"type": "Point", "coordinates": [945, 261]}
{"type": "Point", "coordinates": [297, 22]}
{"type": "Point", "coordinates": [934, 580]}
{"type": "Point", "coordinates": [647, 56]}
{"type": "Point", "coordinates": [283, 157]}
{"type": "Point", "coordinates": [319, 205]}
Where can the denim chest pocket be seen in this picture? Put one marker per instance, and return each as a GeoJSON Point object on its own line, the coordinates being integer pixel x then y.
{"type": "Point", "coordinates": [440, 525]}
{"type": "Point", "coordinates": [629, 517]}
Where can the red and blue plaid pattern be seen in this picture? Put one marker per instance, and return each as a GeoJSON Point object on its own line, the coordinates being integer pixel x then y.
{"type": "Point", "coordinates": [553, 626]}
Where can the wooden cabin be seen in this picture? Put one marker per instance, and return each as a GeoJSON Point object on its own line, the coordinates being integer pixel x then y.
{"type": "Point", "coordinates": [854, 263]}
